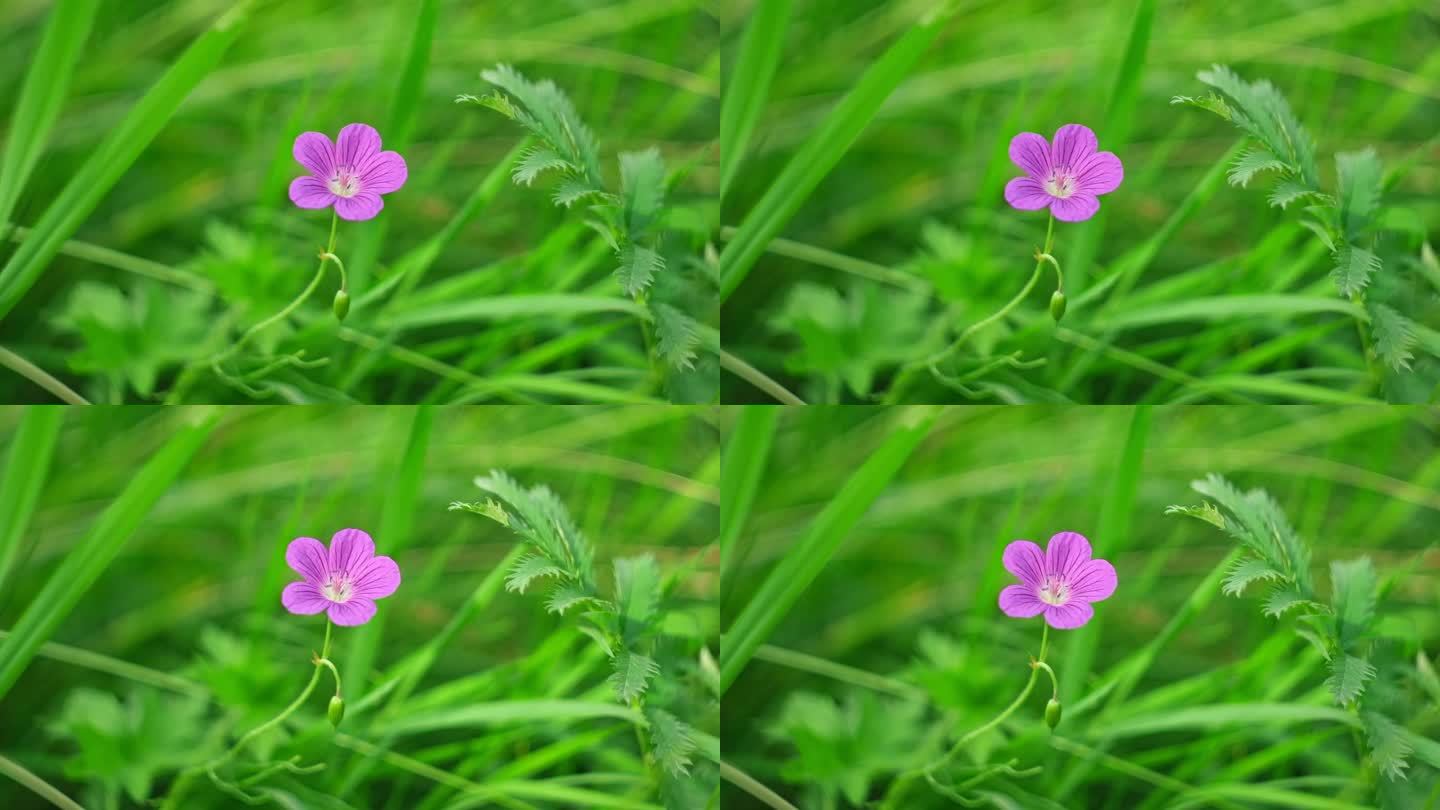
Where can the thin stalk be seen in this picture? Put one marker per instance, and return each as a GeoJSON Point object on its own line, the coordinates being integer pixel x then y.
{"type": "Point", "coordinates": [909, 372]}
{"type": "Point", "coordinates": [40, 377]}
{"type": "Point", "coordinates": [757, 378]}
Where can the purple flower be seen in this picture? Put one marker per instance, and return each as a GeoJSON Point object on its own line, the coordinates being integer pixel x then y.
{"type": "Point", "coordinates": [1060, 581]}
{"type": "Point", "coordinates": [1067, 176]}
{"type": "Point", "coordinates": [346, 580]}
{"type": "Point", "coordinates": [349, 174]}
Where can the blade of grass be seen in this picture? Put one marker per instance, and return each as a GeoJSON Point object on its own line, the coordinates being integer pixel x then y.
{"type": "Point", "coordinates": [46, 82]}
{"type": "Point", "coordinates": [741, 469]}
{"type": "Point", "coordinates": [26, 778]}
{"type": "Point", "coordinates": [824, 149]}
{"type": "Point", "coordinates": [26, 469]}
{"type": "Point", "coordinates": [507, 307]}
{"type": "Point", "coordinates": [749, 84]}
{"type": "Point", "coordinates": [504, 713]}
{"type": "Point", "coordinates": [786, 582]}
{"type": "Point", "coordinates": [40, 377]}
{"type": "Point", "coordinates": [87, 561]}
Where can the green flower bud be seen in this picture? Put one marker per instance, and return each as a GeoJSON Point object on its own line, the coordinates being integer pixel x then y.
{"type": "Point", "coordinates": [342, 305]}
{"type": "Point", "coordinates": [1057, 305]}
{"type": "Point", "coordinates": [337, 711]}
{"type": "Point", "coordinates": [1052, 713]}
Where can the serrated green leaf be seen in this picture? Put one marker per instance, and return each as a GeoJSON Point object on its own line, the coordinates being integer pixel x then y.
{"type": "Point", "coordinates": [1260, 524]}
{"type": "Point", "coordinates": [677, 336]}
{"type": "Point", "coordinates": [600, 638]}
{"type": "Point", "coordinates": [565, 597]}
{"type": "Point", "coordinates": [1348, 676]}
{"type": "Point", "coordinates": [1255, 160]}
{"type": "Point", "coordinates": [1353, 268]}
{"type": "Point", "coordinates": [637, 594]}
{"type": "Point", "coordinates": [1205, 511]}
{"type": "Point", "coordinates": [1259, 109]}
{"type": "Point", "coordinates": [1282, 599]}
{"type": "Point", "coordinates": [642, 187]}
{"type": "Point", "coordinates": [536, 161]}
{"type": "Point", "coordinates": [632, 674]}
{"type": "Point", "coordinates": [638, 267]}
{"type": "Point", "coordinates": [549, 114]}
{"type": "Point", "coordinates": [1288, 191]}
{"type": "Point", "coordinates": [1209, 101]}
{"type": "Point", "coordinates": [529, 568]}
{"type": "Point", "coordinates": [1393, 334]}
{"type": "Point", "coordinates": [489, 508]}
{"type": "Point", "coordinates": [1354, 592]}
{"type": "Point", "coordinates": [572, 190]}
{"type": "Point", "coordinates": [1315, 641]}
{"type": "Point", "coordinates": [1389, 748]}
{"type": "Point", "coordinates": [1360, 179]}
{"type": "Point", "coordinates": [1246, 571]}
{"type": "Point", "coordinates": [670, 741]}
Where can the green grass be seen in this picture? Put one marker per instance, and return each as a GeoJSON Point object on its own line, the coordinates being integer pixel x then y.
{"type": "Point", "coordinates": [150, 176]}
{"type": "Point", "coordinates": [143, 627]}
{"type": "Point", "coordinates": [1174, 695]}
{"type": "Point", "coordinates": [863, 237]}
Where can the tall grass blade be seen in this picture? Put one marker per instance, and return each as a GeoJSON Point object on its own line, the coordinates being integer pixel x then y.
{"type": "Point", "coordinates": [113, 157]}
{"type": "Point", "coordinates": [741, 469]}
{"type": "Point", "coordinates": [749, 84]}
{"type": "Point", "coordinates": [794, 573]}
{"type": "Point", "coordinates": [88, 560]}
{"type": "Point", "coordinates": [26, 470]}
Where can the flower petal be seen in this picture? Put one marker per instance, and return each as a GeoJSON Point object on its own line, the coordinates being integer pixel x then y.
{"type": "Point", "coordinates": [310, 192]}
{"type": "Point", "coordinates": [384, 173]}
{"type": "Point", "coordinates": [356, 145]}
{"type": "Point", "coordinates": [315, 152]}
{"type": "Point", "coordinates": [1031, 152]}
{"type": "Point", "coordinates": [377, 579]}
{"type": "Point", "coordinates": [1078, 208]}
{"type": "Point", "coordinates": [307, 557]}
{"type": "Point", "coordinates": [1065, 553]}
{"type": "Point", "coordinates": [1026, 561]}
{"type": "Point", "coordinates": [350, 551]}
{"type": "Point", "coordinates": [1100, 173]}
{"type": "Point", "coordinates": [1093, 581]}
{"type": "Point", "coordinates": [1020, 602]}
{"type": "Point", "coordinates": [1026, 194]}
{"type": "Point", "coordinates": [303, 598]}
{"type": "Point", "coordinates": [1068, 616]}
{"type": "Point", "coordinates": [358, 610]}
{"type": "Point", "coordinates": [362, 206]}
{"type": "Point", "coordinates": [1073, 143]}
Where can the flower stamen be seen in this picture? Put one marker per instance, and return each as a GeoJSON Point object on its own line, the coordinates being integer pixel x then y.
{"type": "Point", "coordinates": [1055, 591]}
{"type": "Point", "coordinates": [345, 182]}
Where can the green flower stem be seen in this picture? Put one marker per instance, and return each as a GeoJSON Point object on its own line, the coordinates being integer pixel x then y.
{"type": "Point", "coordinates": [908, 373]}
{"type": "Point", "coordinates": [901, 785]}
{"type": "Point", "coordinates": [189, 775]}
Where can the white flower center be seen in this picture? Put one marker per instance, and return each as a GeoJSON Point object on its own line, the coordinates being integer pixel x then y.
{"type": "Point", "coordinates": [338, 587]}
{"type": "Point", "coordinates": [1060, 183]}
{"type": "Point", "coordinates": [345, 182]}
{"type": "Point", "coordinates": [1055, 591]}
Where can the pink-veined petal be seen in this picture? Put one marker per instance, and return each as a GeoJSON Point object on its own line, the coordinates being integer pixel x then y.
{"type": "Point", "coordinates": [377, 579]}
{"type": "Point", "coordinates": [303, 598]}
{"type": "Point", "coordinates": [1093, 581]}
{"type": "Point", "coordinates": [1031, 152]}
{"type": "Point", "coordinates": [1077, 208]}
{"type": "Point", "coordinates": [310, 192]}
{"type": "Point", "coordinates": [362, 206]}
{"type": "Point", "coordinates": [1020, 602]}
{"type": "Point", "coordinates": [315, 152]}
{"type": "Point", "coordinates": [1026, 561]}
{"type": "Point", "coordinates": [356, 145]}
{"type": "Point", "coordinates": [1026, 194]}
{"type": "Point", "coordinates": [1065, 553]}
{"type": "Point", "coordinates": [1073, 144]}
{"type": "Point", "coordinates": [350, 551]}
{"type": "Point", "coordinates": [1062, 617]}
{"type": "Point", "coordinates": [307, 557]}
{"type": "Point", "coordinates": [358, 610]}
{"type": "Point", "coordinates": [384, 173]}
{"type": "Point", "coordinates": [1100, 173]}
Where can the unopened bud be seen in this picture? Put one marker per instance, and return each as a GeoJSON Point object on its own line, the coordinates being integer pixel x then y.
{"type": "Point", "coordinates": [337, 711]}
{"type": "Point", "coordinates": [1057, 305]}
{"type": "Point", "coordinates": [342, 305]}
{"type": "Point", "coordinates": [1052, 713]}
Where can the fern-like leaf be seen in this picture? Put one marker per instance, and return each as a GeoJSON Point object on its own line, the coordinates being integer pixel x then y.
{"type": "Point", "coordinates": [1389, 747]}
{"type": "Point", "coordinates": [632, 674]}
{"type": "Point", "coordinates": [565, 597]}
{"type": "Point", "coordinates": [536, 161]}
{"type": "Point", "coordinates": [1259, 109]}
{"type": "Point", "coordinates": [549, 114]}
{"type": "Point", "coordinates": [1246, 571]}
{"type": "Point", "coordinates": [677, 336]}
{"type": "Point", "coordinates": [1210, 101]}
{"type": "Point", "coordinates": [1281, 600]}
{"type": "Point", "coordinates": [1260, 524]}
{"type": "Point", "coordinates": [670, 742]}
{"type": "Point", "coordinates": [1255, 160]}
{"type": "Point", "coordinates": [1353, 268]}
{"type": "Point", "coordinates": [1360, 179]}
{"type": "Point", "coordinates": [1394, 336]}
{"type": "Point", "coordinates": [528, 569]}
{"type": "Point", "coordinates": [574, 189]}
{"type": "Point", "coordinates": [1288, 191]}
{"type": "Point", "coordinates": [1205, 511]}
{"type": "Point", "coordinates": [1354, 593]}
{"type": "Point", "coordinates": [1348, 676]}
{"type": "Point", "coordinates": [637, 594]}
{"type": "Point", "coordinates": [638, 266]}
{"type": "Point", "coordinates": [642, 187]}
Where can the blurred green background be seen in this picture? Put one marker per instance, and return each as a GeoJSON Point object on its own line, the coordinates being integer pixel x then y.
{"type": "Point", "coordinates": [198, 239]}
{"type": "Point", "coordinates": [900, 640]}
{"type": "Point", "coordinates": [198, 647]}
{"type": "Point", "coordinates": [909, 233]}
